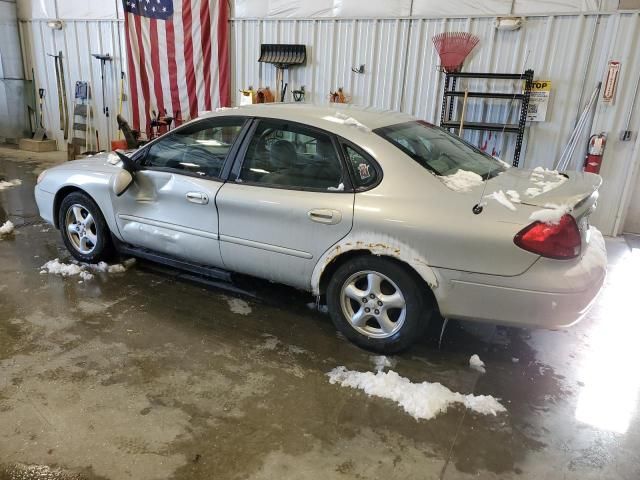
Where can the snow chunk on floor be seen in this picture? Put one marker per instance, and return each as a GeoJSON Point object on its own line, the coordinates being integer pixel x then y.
{"type": "Point", "coordinates": [420, 400]}
{"type": "Point", "coordinates": [239, 306]}
{"type": "Point", "coordinates": [6, 228]}
{"type": "Point", "coordinates": [56, 267]}
{"type": "Point", "coordinates": [4, 184]}
{"type": "Point", "coordinates": [381, 362]}
{"type": "Point", "coordinates": [551, 214]}
{"type": "Point", "coordinates": [462, 180]}
{"type": "Point", "coordinates": [476, 363]}
{"type": "Point", "coordinates": [502, 199]}
{"type": "Point", "coordinates": [85, 271]}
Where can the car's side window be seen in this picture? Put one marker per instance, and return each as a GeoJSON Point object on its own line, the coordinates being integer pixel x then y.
{"type": "Point", "coordinates": [364, 171]}
{"type": "Point", "coordinates": [292, 156]}
{"type": "Point", "coordinates": [200, 148]}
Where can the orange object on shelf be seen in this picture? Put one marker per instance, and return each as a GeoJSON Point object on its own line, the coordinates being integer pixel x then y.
{"type": "Point", "coordinates": [118, 145]}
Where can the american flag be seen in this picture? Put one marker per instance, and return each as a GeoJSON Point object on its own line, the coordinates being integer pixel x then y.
{"type": "Point", "coordinates": [178, 57]}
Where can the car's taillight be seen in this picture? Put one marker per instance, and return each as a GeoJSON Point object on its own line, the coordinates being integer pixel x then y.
{"type": "Point", "coordinates": [561, 240]}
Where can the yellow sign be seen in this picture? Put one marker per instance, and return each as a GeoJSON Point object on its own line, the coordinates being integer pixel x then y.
{"type": "Point", "coordinates": [539, 100]}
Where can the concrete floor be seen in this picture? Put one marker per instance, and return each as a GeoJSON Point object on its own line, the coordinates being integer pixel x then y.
{"type": "Point", "coordinates": [144, 375]}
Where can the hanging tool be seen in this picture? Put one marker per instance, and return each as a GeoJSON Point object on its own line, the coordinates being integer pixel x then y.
{"type": "Point", "coordinates": [282, 56]}
{"type": "Point", "coordinates": [298, 95]}
{"type": "Point", "coordinates": [104, 58]}
{"type": "Point", "coordinates": [565, 158]}
{"type": "Point", "coordinates": [121, 98]}
{"type": "Point", "coordinates": [40, 133]}
{"type": "Point", "coordinates": [625, 135]}
{"type": "Point", "coordinates": [63, 107]}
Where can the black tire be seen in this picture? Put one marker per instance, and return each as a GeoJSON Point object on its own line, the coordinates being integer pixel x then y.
{"type": "Point", "coordinates": [102, 249]}
{"type": "Point", "coordinates": [417, 311]}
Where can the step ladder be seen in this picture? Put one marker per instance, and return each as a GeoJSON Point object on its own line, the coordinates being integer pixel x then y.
{"type": "Point", "coordinates": [81, 136]}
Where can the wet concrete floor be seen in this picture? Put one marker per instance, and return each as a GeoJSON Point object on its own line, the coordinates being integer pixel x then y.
{"type": "Point", "coordinates": [145, 375]}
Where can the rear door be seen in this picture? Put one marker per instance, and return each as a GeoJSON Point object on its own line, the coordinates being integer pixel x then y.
{"type": "Point", "coordinates": [288, 200]}
{"type": "Point", "coordinates": [170, 207]}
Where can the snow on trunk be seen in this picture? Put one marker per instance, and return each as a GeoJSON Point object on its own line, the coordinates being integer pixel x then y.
{"type": "Point", "coordinates": [423, 400]}
{"type": "Point", "coordinates": [502, 199]}
{"type": "Point", "coordinates": [551, 214]}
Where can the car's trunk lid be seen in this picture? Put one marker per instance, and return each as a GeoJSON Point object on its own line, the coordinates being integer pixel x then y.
{"type": "Point", "coordinates": [575, 192]}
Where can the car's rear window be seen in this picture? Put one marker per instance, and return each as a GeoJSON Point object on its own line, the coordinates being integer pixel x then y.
{"type": "Point", "coordinates": [439, 151]}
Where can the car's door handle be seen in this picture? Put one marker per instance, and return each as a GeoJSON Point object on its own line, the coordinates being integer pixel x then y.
{"type": "Point", "coordinates": [198, 197]}
{"type": "Point", "coordinates": [325, 215]}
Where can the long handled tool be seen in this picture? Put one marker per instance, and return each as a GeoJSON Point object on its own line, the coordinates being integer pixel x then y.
{"type": "Point", "coordinates": [104, 58]}
{"type": "Point", "coordinates": [63, 108]}
{"type": "Point", "coordinates": [567, 153]}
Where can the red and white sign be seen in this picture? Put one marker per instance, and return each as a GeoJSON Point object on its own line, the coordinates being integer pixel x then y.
{"type": "Point", "coordinates": [611, 83]}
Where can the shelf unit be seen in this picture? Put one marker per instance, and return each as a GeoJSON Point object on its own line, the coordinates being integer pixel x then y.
{"type": "Point", "coordinates": [451, 95]}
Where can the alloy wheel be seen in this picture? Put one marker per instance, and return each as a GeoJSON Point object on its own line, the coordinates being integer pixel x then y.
{"type": "Point", "coordinates": [373, 304]}
{"type": "Point", "coordinates": [81, 229]}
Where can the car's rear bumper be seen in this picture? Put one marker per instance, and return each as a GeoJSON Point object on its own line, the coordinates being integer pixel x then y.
{"type": "Point", "coordinates": [551, 294]}
{"type": "Point", "coordinates": [44, 200]}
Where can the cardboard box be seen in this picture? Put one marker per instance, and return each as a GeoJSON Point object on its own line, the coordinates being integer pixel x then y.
{"type": "Point", "coordinates": [37, 145]}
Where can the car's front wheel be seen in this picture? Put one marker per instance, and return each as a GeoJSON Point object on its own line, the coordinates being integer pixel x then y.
{"type": "Point", "coordinates": [377, 304]}
{"type": "Point", "coordinates": [84, 230]}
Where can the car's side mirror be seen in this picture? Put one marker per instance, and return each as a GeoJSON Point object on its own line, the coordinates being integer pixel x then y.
{"type": "Point", "coordinates": [122, 182]}
{"type": "Point", "coordinates": [127, 163]}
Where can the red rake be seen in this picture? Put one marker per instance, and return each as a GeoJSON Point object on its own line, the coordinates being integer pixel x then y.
{"type": "Point", "coordinates": [453, 48]}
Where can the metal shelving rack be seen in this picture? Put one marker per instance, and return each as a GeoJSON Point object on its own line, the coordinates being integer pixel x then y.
{"type": "Point", "coordinates": [449, 99]}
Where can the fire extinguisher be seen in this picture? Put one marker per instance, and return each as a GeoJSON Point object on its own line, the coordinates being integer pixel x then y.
{"type": "Point", "coordinates": [595, 150]}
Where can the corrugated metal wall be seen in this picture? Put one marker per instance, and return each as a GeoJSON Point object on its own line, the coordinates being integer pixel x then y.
{"type": "Point", "coordinates": [78, 40]}
{"type": "Point", "coordinates": [401, 74]}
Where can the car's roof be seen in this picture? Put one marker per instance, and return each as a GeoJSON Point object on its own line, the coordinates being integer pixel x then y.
{"type": "Point", "coordinates": [320, 115]}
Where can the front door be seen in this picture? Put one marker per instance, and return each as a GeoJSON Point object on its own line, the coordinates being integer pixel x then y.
{"type": "Point", "coordinates": [170, 207]}
{"type": "Point", "coordinates": [290, 202]}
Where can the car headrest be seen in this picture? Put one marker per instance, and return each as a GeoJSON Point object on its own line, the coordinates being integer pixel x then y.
{"type": "Point", "coordinates": [283, 154]}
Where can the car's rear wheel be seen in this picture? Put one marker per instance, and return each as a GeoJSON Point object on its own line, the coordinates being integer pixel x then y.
{"type": "Point", "coordinates": [84, 230]}
{"type": "Point", "coordinates": [378, 304]}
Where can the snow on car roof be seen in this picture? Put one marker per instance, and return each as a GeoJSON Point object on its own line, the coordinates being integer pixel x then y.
{"type": "Point", "coordinates": [324, 116]}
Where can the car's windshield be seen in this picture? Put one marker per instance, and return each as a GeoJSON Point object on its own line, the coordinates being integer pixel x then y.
{"type": "Point", "coordinates": [439, 151]}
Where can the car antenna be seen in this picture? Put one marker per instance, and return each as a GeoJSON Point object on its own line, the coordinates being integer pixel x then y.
{"type": "Point", "coordinates": [478, 207]}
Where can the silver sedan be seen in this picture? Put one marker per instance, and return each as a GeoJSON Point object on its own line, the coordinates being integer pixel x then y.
{"type": "Point", "coordinates": [391, 219]}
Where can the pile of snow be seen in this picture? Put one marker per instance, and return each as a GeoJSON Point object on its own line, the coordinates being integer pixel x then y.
{"type": "Point", "coordinates": [462, 180]}
{"type": "Point", "coordinates": [4, 184]}
{"type": "Point", "coordinates": [238, 306]}
{"type": "Point", "coordinates": [347, 120]}
{"type": "Point", "coordinates": [84, 270]}
{"type": "Point", "coordinates": [502, 199]}
{"type": "Point", "coordinates": [381, 362]}
{"type": "Point", "coordinates": [6, 228]}
{"type": "Point", "coordinates": [545, 181]}
{"type": "Point", "coordinates": [420, 400]}
{"type": "Point", "coordinates": [476, 363]}
{"type": "Point", "coordinates": [551, 214]}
